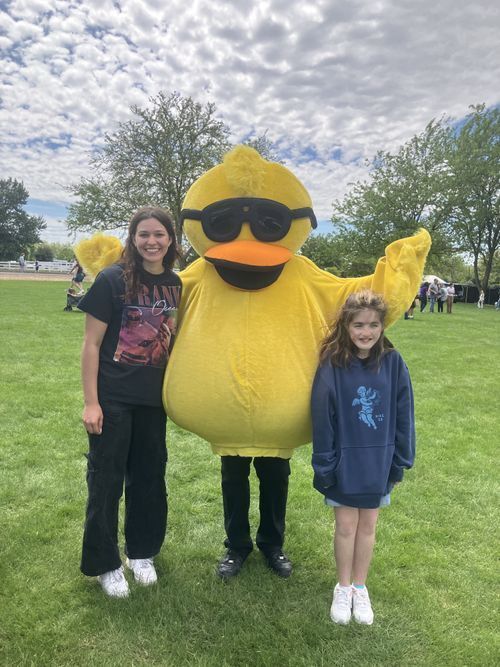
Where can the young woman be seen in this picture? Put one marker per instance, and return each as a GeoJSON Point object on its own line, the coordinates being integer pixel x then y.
{"type": "Point", "coordinates": [131, 312]}
{"type": "Point", "coordinates": [363, 439]}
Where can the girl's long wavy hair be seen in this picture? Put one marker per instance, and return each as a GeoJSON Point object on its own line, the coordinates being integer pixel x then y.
{"type": "Point", "coordinates": [338, 348]}
{"type": "Point", "coordinates": [131, 260]}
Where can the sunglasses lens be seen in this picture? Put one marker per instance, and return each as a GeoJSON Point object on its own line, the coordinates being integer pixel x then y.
{"type": "Point", "coordinates": [222, 225]}
{"type": "Point", "coordinates": [271, 223]}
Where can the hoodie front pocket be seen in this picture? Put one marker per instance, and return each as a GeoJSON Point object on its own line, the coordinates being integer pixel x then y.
{"type": "Point", "coordinates": [364, 470]}
{"type": "Point", "coordinates": [325, 465]}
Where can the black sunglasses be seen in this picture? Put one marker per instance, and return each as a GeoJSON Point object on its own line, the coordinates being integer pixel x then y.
{"type": "Point", "coordinates": [269, 220]}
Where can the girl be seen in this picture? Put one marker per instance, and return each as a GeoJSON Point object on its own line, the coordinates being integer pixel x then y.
{"type": "Point", "coordinates": [130, 326]}
{"type": "Point", "coordinates": [77, 280]}
{"type": "Point", "coordinates": [363, 438]}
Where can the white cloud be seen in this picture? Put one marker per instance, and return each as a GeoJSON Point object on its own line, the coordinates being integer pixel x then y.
{"type": "Point", "coordinates": [356, 76]}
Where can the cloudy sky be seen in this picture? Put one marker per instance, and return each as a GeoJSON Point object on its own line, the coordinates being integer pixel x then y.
{"type": "Point", "coordinates": [331, 81]}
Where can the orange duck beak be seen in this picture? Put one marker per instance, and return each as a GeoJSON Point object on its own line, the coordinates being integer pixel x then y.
{"type": "Point", "coordinates": [249, 265]}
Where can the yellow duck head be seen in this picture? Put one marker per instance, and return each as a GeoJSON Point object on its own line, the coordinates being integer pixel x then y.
{"type": "Point", "coordinates": [247, 216]}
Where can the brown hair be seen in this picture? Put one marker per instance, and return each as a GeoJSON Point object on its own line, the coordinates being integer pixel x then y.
{"type": "Point", "coordinates": [132, 260]}
{"type": "Point", "coordinates": [338, 348]}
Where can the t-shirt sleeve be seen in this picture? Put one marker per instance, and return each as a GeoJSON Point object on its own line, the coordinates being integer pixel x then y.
{"type": "Point", "coordinates": [98, 301]}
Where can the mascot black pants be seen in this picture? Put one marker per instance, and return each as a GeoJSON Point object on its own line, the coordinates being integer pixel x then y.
{"type": "Point", "coordinates": [273, 476]}
{"type": "Point", "coordinates": [131, 449]}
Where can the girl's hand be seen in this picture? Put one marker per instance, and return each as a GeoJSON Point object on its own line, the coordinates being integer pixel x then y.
{"type": "Point", "coordinates": [92, 419]}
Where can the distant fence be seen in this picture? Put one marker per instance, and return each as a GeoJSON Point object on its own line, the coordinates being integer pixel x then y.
{"type": "Point", "coordinates": [58, 266]}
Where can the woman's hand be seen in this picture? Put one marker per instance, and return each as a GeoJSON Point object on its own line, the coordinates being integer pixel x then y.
{"type": "Point", "coordinates": [92, 414]}
{"type": "Point", "coordinates": [92, 419]}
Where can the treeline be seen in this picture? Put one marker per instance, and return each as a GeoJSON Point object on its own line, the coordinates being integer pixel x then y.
{"type": "Point", "coordinates": [153, 158]}
{"type": "Point", "coordinates": [20, 232]}
{"type": "Point", "coordinates": [446, 179]}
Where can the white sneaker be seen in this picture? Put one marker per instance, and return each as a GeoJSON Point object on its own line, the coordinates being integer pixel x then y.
{"type": "Point", "coordinates": [114, 583]}
{"type": "Point", "coordinates": [340, 611]}
{"type": "Point", "coordinates": [143, 569]}
{"type": "Point", "coordinates": [361, 606]}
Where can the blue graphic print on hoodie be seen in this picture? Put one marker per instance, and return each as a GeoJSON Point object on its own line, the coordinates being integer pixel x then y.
{"type": "Point", "coordinates": [363, 430]}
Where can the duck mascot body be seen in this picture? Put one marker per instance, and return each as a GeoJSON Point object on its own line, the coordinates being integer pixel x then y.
{"type": "Point", "coordinates": [252, 316]}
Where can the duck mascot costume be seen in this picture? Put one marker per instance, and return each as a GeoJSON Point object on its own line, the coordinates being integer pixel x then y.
{"type": "Point", "coordinates": [252, 316]}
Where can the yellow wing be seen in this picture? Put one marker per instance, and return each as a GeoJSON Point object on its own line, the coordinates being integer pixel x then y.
{"type": "Point", "coordinates": [98, 252]}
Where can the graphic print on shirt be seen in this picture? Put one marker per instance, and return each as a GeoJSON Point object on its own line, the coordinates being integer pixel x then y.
{"type": "Point", "coordinates": [368, 399]}
{"type": "Point", "coordinates": [148, 329]}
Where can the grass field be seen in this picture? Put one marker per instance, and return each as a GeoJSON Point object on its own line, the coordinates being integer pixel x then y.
{"type": "Point", "coordinates": [434, 578]}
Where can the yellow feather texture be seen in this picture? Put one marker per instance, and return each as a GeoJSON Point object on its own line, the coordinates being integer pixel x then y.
{"type": "Point", "coordinates": [404, 266]}
{"type": "Point", "coordinates": [245, 171]}
{"type": "Point", "coordinates": [98, 252]}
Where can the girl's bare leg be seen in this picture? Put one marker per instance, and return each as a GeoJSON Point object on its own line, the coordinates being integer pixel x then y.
{"type": "Point", "coordinates": [346, 524]}
{"type": "Point", "coordinates": [363, 546]}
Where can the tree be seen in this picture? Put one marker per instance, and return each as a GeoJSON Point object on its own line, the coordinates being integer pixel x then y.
{"type": "Point", "coordinates": [265, 147]}
{"type": "Point", "coordinates": [18, 230]}
{"type": "Point", "coordinates": [43, 252]}
{"type": "Point", "coordinates": [320, 249]}
{"type": "Point", "coordinates": [452, 267]}
{"type": "Point", "coordinates": [404, 192]}
{"type": "Point", "coordinates": [446, 179]}
{"type": "Point", "coordinates": [47, 252]}
{"type": "Point", "coordinates": [152, 159]}
{"type": "Point", "coordinates": [62, 251]}
{"type": "Point", "coordinates": [474, 169]}
{"type": "Point", "coordinates": [495, 269]}
{"type": "Point", "coordinates": [336, 254]}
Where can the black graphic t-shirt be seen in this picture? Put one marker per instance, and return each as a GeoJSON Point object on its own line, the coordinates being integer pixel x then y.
{"type": "Point", "coordinates": [140, 334]}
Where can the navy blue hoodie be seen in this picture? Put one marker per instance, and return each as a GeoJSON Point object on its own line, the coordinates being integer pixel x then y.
{"type": "Point", "coordinates": [363, 429]}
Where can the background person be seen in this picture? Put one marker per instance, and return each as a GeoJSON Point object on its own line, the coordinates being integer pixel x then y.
{"type": "Point", "coordinates": [433, 294]}
{"type": "Point", "coordinates": [78, 277]}
{"type": "Point", "coordinates": [409, 312]}
{"type": "Point", "coordinates": [361, 396]}
{"type": "Point", "coordinates": [449, 297]}
{"type": "Point", "coordinates": [422, 295]}
{"type": "Point", "coordinates": [480, 303]}
{"type": "Point", "coordinates": [123, 411]}
{"type": "Point", "coordinates": [442, 297]}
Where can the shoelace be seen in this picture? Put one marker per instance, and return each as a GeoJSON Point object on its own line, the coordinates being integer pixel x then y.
{"type": "Point", "coordinates": [145, 563]}
{"type": "Point", "coordinates": [342, 598]}
{"type": "Point", "coordinates": [362, 598]}
{"type": "Point", "coordinates": [117, 575]}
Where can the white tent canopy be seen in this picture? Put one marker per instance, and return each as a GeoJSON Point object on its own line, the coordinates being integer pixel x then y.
{"type": "Point", "coordinates": [430, 278]}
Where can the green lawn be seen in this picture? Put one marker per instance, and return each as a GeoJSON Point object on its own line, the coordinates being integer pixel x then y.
{"type": "Point", "coordinates": [434, 578]}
